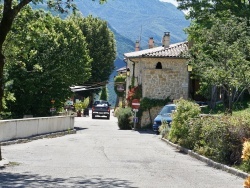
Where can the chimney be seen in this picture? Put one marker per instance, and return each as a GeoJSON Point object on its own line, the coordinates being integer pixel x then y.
{"type": "Point", "coordinates": [166, 40]}
{"type": "Point", "coordinates": [151, 42]}
{"type": "Point", "coordinates": [137, 46]}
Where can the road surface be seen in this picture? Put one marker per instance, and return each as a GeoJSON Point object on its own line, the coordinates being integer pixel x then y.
{"type": "Point", "coordinates": [101, 155]}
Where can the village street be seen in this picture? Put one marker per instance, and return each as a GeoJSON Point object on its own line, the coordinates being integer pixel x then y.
{"type": "Point", "coordinates": [101, 155]}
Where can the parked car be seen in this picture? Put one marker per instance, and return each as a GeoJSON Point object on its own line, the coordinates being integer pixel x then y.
{"type": "Point", "coordinates": [164, 114]}
{"type": "Point", "coordinates": [101, 108]}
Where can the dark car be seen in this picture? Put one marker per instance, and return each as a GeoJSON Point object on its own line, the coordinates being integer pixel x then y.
{"type": "Point", "coordinates": [165, 114]}
{"type": "Point", "coordinates": [101, 108]}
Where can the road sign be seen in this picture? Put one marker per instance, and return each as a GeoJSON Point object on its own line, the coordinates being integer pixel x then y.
{"type": "Point", "coordinates": [135, 103]}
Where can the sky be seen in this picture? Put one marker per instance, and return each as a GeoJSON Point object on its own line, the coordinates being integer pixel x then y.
{"type": "Point", "coordinates": [174, 2]}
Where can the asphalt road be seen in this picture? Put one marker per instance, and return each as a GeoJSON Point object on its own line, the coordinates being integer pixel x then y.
{"type": "Point", "coordinates": [101, 155]}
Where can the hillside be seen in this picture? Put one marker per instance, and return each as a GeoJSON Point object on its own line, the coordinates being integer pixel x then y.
{"type": "Point", "coordinates": [135, 19]}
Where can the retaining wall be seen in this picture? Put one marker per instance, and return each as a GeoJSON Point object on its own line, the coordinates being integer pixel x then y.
{"type": "Point", "coordinates": [23, 128]}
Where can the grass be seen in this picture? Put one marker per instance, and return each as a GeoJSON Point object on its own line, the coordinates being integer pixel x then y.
{"type": "Point", "coordinates": [239, 109]}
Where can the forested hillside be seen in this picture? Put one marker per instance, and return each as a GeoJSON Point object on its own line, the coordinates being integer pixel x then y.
{"type": "Point", "coordinates": [133, 20]}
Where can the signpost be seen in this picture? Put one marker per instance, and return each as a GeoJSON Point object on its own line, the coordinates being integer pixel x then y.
{"type": "Point", "coordinates": [135, 107]}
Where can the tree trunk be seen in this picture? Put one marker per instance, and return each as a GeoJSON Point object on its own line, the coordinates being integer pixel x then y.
{"type": "Point", "coordinates": [213, 97]}
{"type": "Point", "coordinates": [150, 116]}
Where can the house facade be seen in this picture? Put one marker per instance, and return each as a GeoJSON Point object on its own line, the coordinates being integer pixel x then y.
{"type": "Point", "coordinates": [161, 71]}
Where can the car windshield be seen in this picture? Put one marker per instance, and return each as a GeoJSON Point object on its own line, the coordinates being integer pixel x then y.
{"type": "Point", "coordinates": [167, 109]}
{"type": "Point", "coordinates": [101, 103]}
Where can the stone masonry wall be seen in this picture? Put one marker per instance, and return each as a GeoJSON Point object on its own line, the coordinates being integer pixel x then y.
{"type": "Point", "coordinates": [171, 80]}
{"type": "Point", "coordinates": [145, 120]}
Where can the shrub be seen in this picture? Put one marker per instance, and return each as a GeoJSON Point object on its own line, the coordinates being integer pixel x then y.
{"type": "Point", "coordinates": [164, 129]}
{"type": "Point", "coordinates": [124, 118]}
{"type": "Point", "coordinates": [246, 156]}
{"type": "Point", "coordinates": [185, 111]}
{"type": "Point", "coordinates": [218, 137]}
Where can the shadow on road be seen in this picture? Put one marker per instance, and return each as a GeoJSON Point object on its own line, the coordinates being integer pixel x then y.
{"type": "Point", "coordinates": [79, 128]}
{"type": "Point", "coordinates": [34, 180]}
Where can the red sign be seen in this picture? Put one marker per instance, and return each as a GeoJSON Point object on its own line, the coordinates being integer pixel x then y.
{"type": "Point", "coordinates": [135, 103]}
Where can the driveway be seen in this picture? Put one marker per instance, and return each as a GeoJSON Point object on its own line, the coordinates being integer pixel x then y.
{"type": "Point", "coordinates": [101, 155]}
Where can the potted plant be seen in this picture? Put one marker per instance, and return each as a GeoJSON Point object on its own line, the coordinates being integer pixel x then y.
{"type": "Point", "coordinates": [82, 106]}
{"type": "Point", "coordinates": [85, 106]}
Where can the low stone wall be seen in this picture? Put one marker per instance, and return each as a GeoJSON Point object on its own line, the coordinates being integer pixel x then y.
{"type": "Point", "coordinates": [145, 120]}
{"type": "Point", "coordinates": [22, 128]}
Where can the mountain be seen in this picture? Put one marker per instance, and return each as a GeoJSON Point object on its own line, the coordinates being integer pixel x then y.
{"type": "Point", "coordinates": [133, 20]}
{"type": "Point", "coordinates": [139, 19]}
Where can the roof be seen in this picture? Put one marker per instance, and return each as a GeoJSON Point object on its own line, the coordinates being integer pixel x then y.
{"type": "Point", "coordinates": [177, 50]}
{"type": "Point", "coordinates": [122, 69]}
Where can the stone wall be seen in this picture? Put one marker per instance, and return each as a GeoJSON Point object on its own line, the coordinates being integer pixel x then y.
{"type": "Point", "coordinates": [145, 120]}
{"type": "Point", "coordinates": [171, 80]}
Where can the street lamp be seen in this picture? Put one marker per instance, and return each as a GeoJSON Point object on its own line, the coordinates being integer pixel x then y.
{"type": "Point", "coordinates": [128, 72]}
{"type": "Point", "coordinates": [189, 69]}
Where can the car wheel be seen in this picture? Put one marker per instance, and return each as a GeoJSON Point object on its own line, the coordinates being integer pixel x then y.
{"type": "Point", "coordinates": [108, 117]}
{"type": "Point", "coordinates": [93, 116]}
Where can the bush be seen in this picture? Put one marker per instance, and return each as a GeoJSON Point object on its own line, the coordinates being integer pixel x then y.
{"type": "Point", "coordinates": [164, 129]}
{"type": "Point", "coordinates": [185, 111]}
{"type": "Point", "coordinates": [125, 118]}
{"type": "Point", "coordinates": [246, 156]}
{"type": "Point", "coordinates": [218, 137]}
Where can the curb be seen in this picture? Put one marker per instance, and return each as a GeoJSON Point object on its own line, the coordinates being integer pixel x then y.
{"type": "Point", "coordinates": [29, 139]}
{"type": "Point", "coordinates": [210, 162]}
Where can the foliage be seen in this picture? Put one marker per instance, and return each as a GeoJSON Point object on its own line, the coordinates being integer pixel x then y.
{"type": "Point", "coordinates": [104, 94]}
{"type": "Point", "coordinates": [247, 182]}
{"type": "Point", "coordinates": [185, 111]}
{"type": "Point", "coordinates": [221, 137]}
{"type": "Point", "coordinates": [45, 60]}
{"type": "Point", "coordinates": [216, 137]}
{"type": "Point", "coordinates": [102, 48]}
{"type": "Point", "coordinates": [147, 103]}
{"type": "Point", "coordinates": [164, 129]}
{"type": "Point", "coordinates": [246, 156]}
{"type": "Point", "coordinates": [119, 79]}
{"type": "Point", "coordinates": [125, 118]}
{"type": "Point", "coordinates": [220, 56]}
{"type": "Point", "coordinates": [200, 10]}
{"type": "Point", "coordinates": [82, 104]}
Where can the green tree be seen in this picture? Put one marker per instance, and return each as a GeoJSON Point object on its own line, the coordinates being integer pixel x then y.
{"type": "Point", "coordinates": [102, 48]}
{"type": "Point", "coordinates": [200, 10]}
{"type": "Point", "coordinates": [220, 56]}
{"type": "Point", "coordinates": [10, 11]}
{"type": "Point", "coordinates": [47, 59]}
{"type": "Point", "coordinates": [7, 16]}
{"type": "Point", "coordinates": [104, 94]}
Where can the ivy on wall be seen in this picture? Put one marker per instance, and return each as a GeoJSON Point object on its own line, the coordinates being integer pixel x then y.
{"type": "Point", "coordinates": [147, 103]}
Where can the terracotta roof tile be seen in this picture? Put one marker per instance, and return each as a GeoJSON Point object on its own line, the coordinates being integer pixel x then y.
{"type": "Point", "coordinates": [174, 50]}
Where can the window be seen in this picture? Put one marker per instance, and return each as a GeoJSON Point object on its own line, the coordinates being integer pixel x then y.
{"type": "Point", "coordinates": [158, 65]}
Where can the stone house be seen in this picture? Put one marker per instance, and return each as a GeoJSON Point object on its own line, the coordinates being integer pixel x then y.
{"type": "Point", "coordinates": [161, 71]}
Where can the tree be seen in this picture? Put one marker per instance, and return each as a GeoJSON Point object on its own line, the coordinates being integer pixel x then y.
{"type": "Point", "coordinates": [102, 48]}
{"type": "Point", "coordinates": [10, 11]}
{"type": "Point", "coordinates": [104, 94]}
{"type": "Point", "coordinates": [49, 58]}
{"type": "Point", "coordinates": [200, 10]}
{"type": "Point", "coordinates": [220, 56]}
{"type": "Point", "coordinates": [7, 16]}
